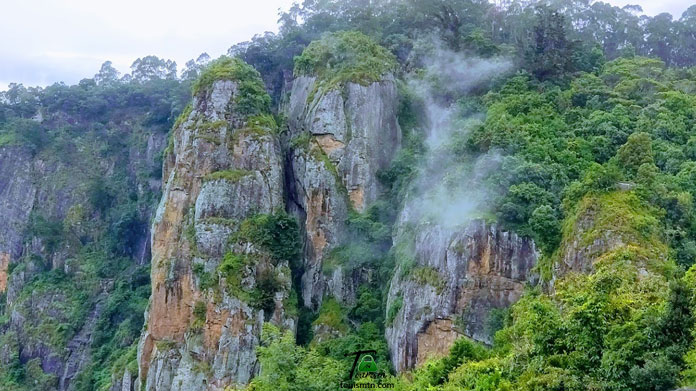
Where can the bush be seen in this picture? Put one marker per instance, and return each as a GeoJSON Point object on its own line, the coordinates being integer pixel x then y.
{"type": "Point", "coordinates": [277, 233]}
{"type": "Point", "coordinates": [228, 175]}
{"type": "Point", "coordinates": [50, 231]}
{"type": "Point", "coordinates": [394, 309]}
{"type": "Point", "coordinates": [99, 194]}
{"type": "Point", "coordinates": [332, 314]}
{"type": "Point", "coordinates": [262, 296]}
{"type": "Point", "coordinates": [346, 56]}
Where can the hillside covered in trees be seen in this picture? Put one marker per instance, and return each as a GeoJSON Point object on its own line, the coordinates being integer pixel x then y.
{"type": "Point", "coordinates": [489, 196]}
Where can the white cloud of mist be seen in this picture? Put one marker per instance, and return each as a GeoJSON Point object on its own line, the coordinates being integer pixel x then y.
{"type": "Point", "coordinates": [451, 74]}
{"type": "Point", "coordinates": [448, 191]}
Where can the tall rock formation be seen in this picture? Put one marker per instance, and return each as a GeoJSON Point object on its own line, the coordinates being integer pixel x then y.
{"type": "Point", "coordinates": [210, 280]}
{"type": "Point", "coordinates": [341, 137]}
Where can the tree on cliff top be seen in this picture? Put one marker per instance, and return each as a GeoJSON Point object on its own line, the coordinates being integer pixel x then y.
{"type": "Point", "coordinates": [346, 56]}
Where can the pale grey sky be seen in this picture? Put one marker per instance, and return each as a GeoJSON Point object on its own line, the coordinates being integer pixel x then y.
{"type": "Point", "coordinates": [46, 41]}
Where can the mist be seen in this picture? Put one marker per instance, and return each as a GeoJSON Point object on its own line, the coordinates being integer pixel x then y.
{"type": "Point", "coordinates": [449, 189]}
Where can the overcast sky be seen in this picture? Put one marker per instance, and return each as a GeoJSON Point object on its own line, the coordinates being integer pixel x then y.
{"type": "Point", "coordinates": [46, 41]}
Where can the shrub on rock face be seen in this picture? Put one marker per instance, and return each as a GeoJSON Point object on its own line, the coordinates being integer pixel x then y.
{"type": "Point", "coordinates": [276, 233]}
{"type": "Point", "coordinates": [345, 56]}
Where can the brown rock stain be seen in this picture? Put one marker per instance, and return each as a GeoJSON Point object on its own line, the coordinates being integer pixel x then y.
{"type": "Point", "coordinates": [214, 323]}
{"type": "Point", "coordinates": [4, 266]}
{"type": "Point", "coordinates": [481, 264]}
{"type": "Point", "coordinates": [172, 303]}
{"type": "Point", "coordinates": [148, 345]}
{"type": "Point", "coordinates": [357, 198]}
{"type": "Point", "coordinates": [436, 340]}
{"type": "Point", "coordinates": [328, 143]}
{"type": "Point", "coordinates": [317, 208]}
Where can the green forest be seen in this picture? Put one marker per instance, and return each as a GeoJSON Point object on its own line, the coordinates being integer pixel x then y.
{"type": "Point", "coordinates": [593, 128]}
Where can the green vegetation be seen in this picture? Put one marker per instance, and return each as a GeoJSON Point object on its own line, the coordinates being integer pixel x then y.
{"type": "Point", "coordinates": [563, 142]}
{"type": "Point", "coordinates": [183, 116]}
{"type": "Point", "coordinates": [350, 257]}
{"type": "Point", "coordinates": [251, 98]}
{"type": "Point", "coordinates": [264, 123]}
{"type": "Point", "coordinates": [291, 367]}
{"type": "Point", "coordinates": [199, 314]}
{"type": "Point", "coordinates": [235, 267]}
{"type": "Point", "coordinates": [117, 332]}
{"type": "Point", "coordinates": [394, 309]}
{"type": "Point", "coordinates": [594, 134]}
{"type": "Point", "coordinates": [227, 175]}
{"type": "Point", "coordinates": [427, 275]}
{"type": "Point", "coordinates": [206, 280]}
{"type": "Point", "coordinates": [622, 214]}
{"type": "Point", "coordinates": [277, 233]}
{"type": "Point", "coordinates": [332, 315]}
{"type": "Point", "coordinates": [276, 237]}
{"type": "Point", "coordinates": [346, 56]}
{"type": "Point", "coordinates": [56, 331]}
{"type": "Point", "coordinates": [208, 127]}
{"type": "Point", "coordinates": [301, 141]}
{"type": "Point", "coordinates": [22, 132]}
{"type": "Point", "coordinates": [87, 228]}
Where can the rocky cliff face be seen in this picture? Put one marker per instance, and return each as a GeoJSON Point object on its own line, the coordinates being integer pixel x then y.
{"type": "Point", "coordinates": [42, 193]}
{"type": "Point", "coordinates": [340, 138]}
{"type": "Point", "coordinates": [449, 287]}
{"type": "Point", "coordinates": [213, 280]}
{"type": "Point", "coordinates": [202, 329]}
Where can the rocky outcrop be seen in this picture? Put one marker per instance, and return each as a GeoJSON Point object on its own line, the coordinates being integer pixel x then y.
{"type": "Point", "coordinates": [340, 138]}
{"type": "Point", "coordinates": [448, 282]}
{"type": "Point", "coordinates": [607, 224]}
{"type": "Point", "coordinates": [202, 330]}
